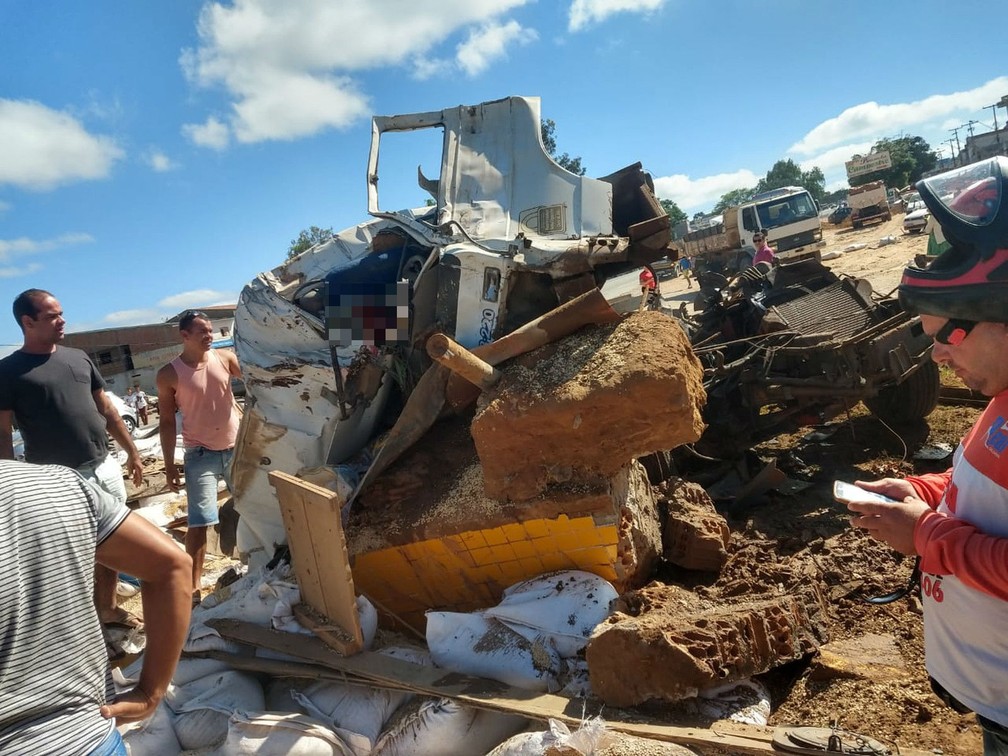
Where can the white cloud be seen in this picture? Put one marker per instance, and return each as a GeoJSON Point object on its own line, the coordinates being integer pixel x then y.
{"type": "Point", "coordinates": [41, 148]}
{"type": "Point", "coordinates": [869, 120]}
{"type": "Point", "coordinates": [160, 162]}
{"type": "Point", "coordinates": [834, 159]}
{"type": "Point", "coordinates": [287, 67]}
{"type": "Point", "coordinates": [702, 193]}
{"type": "Point", "coordinates": [425, 68]}
{"type": "Point", "coordinates": [10, 248]}
{"type": "Point", "coordinates": [211, 133]}
{"type": "Point", "coordinates": [197, 298]}
{"type": "Point", "coordinates": [583, 13]}
{"type": "Point", "coordinates": [164, 308]}
{"type": "Point", "coordinates": [15, 272]}
{"type": "Point", "coordinates": [292, 105]}
{"type": "Point", "coordinates": [490, 42]}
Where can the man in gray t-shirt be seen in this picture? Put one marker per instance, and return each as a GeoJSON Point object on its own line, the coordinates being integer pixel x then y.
{"type": "Point", "coordinates": [55, 689]}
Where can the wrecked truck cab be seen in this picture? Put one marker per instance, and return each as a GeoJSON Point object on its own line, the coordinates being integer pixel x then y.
{"type": "Point", "coordinates": [511, 235]}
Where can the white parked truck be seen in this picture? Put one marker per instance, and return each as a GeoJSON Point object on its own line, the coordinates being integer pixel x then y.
{"type": "Point", "coordinates": [869, 202]}
{"type": "Point", "coordinates": [789, 215]}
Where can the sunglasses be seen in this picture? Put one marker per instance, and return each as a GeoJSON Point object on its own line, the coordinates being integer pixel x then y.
{"type": "Point", "coordinates": [954, 332]}
{"type": "Point", "coordinates": [757, 238]}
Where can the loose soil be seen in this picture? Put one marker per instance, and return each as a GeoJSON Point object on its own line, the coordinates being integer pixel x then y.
{"type": "Point", "coordinates": [809, 526]}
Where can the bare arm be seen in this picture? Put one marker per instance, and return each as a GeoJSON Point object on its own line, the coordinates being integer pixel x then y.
{"type": "Point", "coordinates": [166, 382]}
{"type": "Point", "coordinates": [6, 434]}
{"type": "Point", "coordinates": [165, 572]}
{"type": "Point", "coordinates": [234, 368]}
{"type": "Point", "coordinates": [118, 431]}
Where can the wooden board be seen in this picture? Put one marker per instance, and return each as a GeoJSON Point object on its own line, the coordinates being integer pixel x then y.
{"type": "Point", "coordinates": [311, 517]}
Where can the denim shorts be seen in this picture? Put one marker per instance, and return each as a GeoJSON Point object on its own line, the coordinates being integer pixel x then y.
{"type": "Point", "coordinates": [108, 476]}
{"type": "Point", "coordinates": [113, 745]}
{"type": "Point", "coordinates": [203, 469]}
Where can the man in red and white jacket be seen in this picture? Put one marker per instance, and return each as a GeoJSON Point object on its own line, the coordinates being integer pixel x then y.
{"type": "Point", "coordinates": [957, 521]}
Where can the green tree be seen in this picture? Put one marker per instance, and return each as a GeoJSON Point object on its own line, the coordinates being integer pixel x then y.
{"type": "Point", "coordinates": [789, 173]}
{"type": "Point", "coordinates": [733, 198]}
{"type": "Point", "coordinates": [672, 210]}
{"type": "Point", "coordinates": [911, 157]}
{"type": "Point", "coordinates": [572, 164]}
{"type": "Point", "coordinates": [308, 239]}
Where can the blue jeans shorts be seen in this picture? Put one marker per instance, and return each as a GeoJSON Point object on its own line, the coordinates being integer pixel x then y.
{"type": "Point", "coordinates": [113, 744]}
{"type": "Point", "coordinates": [107, 475]}
{"type": "Point", "coordinates": [204, 468]}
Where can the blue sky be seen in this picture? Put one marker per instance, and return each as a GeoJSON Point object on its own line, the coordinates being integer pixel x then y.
{"type": "Point", "coordinates": [158, 155]}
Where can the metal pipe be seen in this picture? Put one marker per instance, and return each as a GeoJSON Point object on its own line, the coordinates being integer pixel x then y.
{"type": "Point", "coordinates": [460, 360]}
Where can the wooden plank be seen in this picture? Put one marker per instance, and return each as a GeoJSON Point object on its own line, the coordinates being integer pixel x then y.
{"type": "Point", "coordinates": [311, 517]}
{"type": "Point", "coordinates": [387, 672]}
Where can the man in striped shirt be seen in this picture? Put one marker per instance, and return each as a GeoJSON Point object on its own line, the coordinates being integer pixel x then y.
{"type": "Point", "coordinates": [56, 694]}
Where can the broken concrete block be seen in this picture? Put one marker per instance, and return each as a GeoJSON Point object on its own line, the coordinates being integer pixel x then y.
{"type": "Point", "coordinates": [665, 643]}
{"type": "Point", "coordinates": [867, 657]}
{"type": "Point", "coordinates": [582, 408]}
{"type": "Point", "coordinates": [695, 536]}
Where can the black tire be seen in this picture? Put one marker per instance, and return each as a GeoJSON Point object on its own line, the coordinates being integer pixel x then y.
{"type": "Point", "coordinates": [911, 400]}
{"type": "Point", "coordinates": [130, 424]}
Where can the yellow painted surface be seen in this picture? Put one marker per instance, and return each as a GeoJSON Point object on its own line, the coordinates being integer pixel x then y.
{"type": "Point", "coordinates": [467, 571]}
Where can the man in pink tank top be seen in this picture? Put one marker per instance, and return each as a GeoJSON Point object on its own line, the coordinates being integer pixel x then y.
{"type": "Point", "coordinates": [198, 383]}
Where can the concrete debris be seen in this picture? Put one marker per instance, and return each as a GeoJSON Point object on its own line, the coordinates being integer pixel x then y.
{"type": "Point", "coordinates": [663, 643]}
{"type": "Point", "coordinates": [585, 407]}
{"type": "Point", "coordinates": [695, 535]}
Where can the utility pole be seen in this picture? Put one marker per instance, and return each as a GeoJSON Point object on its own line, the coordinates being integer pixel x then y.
{"type": "Point", "coordinates": [994, 108]}
{"type": "Point", "coordinates": [952, 152]}
{"type": "Point", "coordinates": [958, 152]}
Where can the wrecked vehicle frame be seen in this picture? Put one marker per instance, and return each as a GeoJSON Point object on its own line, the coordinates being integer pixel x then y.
{"type": "Point", "coordinates": [507, 236]}
{"type": "Point", "coordinates": [797, 345]}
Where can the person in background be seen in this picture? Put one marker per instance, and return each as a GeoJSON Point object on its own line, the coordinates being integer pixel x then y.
{"type": "Point", "coordinates": [686, 270]}
{"type": "Point", "coordinates": [650, 291]}
{"type": "Point", "coordinates": [141, 405]}
{"type": "Point", "coordinates": [57, 396]}
{"type": "Point", "coordinates": [198, 382]}
{"type": "Point", "coordinates": [957, 521]}
{"type": "Point", "coordinates": [763, 251]}
{"type": "Point", "coordinates": [56, 693]}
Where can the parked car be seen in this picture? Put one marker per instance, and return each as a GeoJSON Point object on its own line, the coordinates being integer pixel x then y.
{"type": "Point", "coordinates": [127, 413]}
{"type": "Point", "coordinates": [18, 443]}
{"type": "Point", "coordinates": [842, 212]}
{"type": "Point", "coordinates": [916, 217]}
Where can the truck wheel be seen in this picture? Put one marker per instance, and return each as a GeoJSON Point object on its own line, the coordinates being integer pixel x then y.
{"type": "Point", "coordinates": [911, 400]}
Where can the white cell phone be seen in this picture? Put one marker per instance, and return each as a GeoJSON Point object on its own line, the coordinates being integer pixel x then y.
{"type": "Point", "coordinates": [846, 492]}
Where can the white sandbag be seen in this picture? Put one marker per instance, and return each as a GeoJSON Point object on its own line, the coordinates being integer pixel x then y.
{"type": "Point", "coordinates": [745, 701]}
{"type": "Point", "coordinates": [155, 736]}
{"type": "Point", "coordinates": [473, 644]}
{"type": "Point", "coordinates": [356, 713]}
{"type": "Point", "coordinates": [434, 727]}
{"type": "Point", "coordinates": [574, 679]}
{"type": "Point", "coordinates": [288, 734]}
{"type": "Point", "coordinates": [203, 706]}
{"type": "Point", "coordinates": [283, 618]}
{"type": "Point", "coordinates": [193, 668]}
{"type": "Point", "coordinates": [277, 694]}
{"type": "Point", "coordinates": [565, 606]}
{"type": "Point", "coordinates": [252, 598]}
{"type": "Point", "coordinates": [590, 737]}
